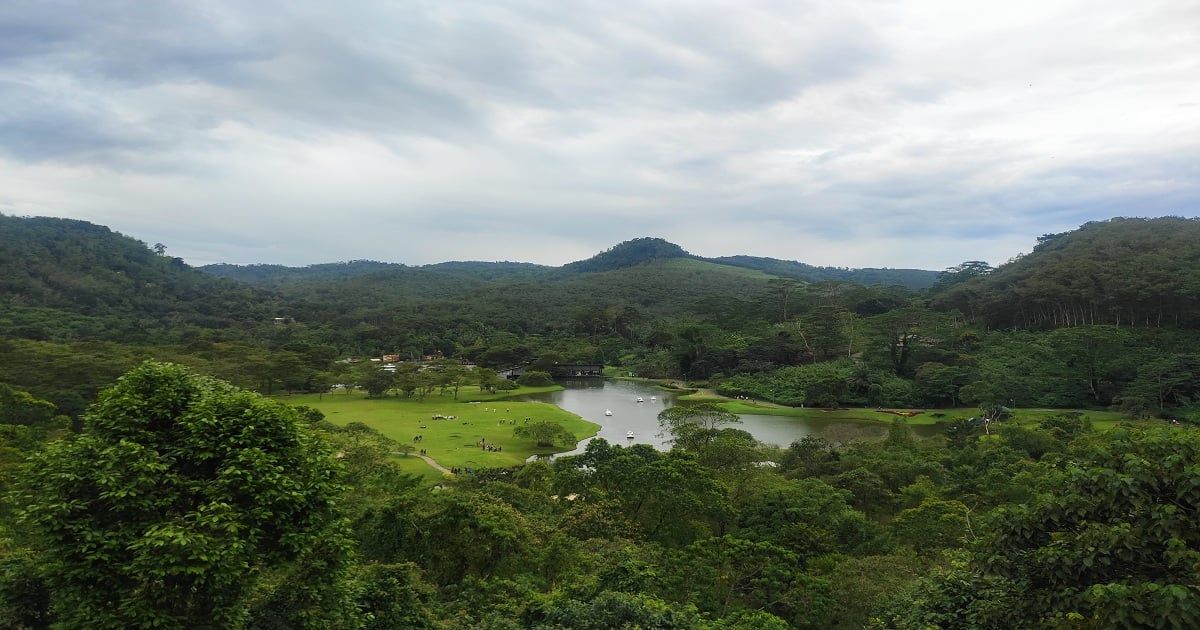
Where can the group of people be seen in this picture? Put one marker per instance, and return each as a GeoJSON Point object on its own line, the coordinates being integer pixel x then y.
{"type": "Point", "coordinates": [491, 448]}
{"type": "Point", "coordinates": [418, 438]}
{"type": "Point", "coordinates": [458, 471]}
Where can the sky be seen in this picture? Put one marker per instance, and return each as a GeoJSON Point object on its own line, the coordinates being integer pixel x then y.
{"type": "Point", "coordinates": [859, 134]}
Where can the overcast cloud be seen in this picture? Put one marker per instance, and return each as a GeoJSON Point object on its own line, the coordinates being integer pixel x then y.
{"type": "Point", "coordinates": [885, 133]}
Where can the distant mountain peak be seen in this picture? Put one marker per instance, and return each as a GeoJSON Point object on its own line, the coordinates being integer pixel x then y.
{"type": "Point", "coordinates": [629, 253]}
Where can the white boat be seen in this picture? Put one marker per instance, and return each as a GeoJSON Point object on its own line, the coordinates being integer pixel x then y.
{"type": "Point", "coordinates": [654, 398]}
{"type": "Point", "coordinates": [640, 399]}
{"type": "Point", "coordinates": [608, 412]}
{"type": "Point", "coordinates": [629, 434]}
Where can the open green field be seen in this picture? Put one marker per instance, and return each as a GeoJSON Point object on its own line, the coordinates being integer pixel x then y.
{"type": "Point", "coordinates": [452, 443]}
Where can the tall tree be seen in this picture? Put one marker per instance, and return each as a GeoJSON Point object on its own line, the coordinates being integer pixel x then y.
{"type": "Point", "coordinates": [181, 491]}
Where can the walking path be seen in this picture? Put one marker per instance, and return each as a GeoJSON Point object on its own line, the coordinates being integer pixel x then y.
{"type": "Point", "coordinates": [429, 460]}
{"type": "Point", "coordinates": [436, 466]}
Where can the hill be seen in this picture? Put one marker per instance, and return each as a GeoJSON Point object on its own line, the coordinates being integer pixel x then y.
{"type": "Point", "coordinates": [626, 254]}
{"type": "Point", "coordinates": [1124, 272]}
{"type": "Point", "coordinates": [633, 252]}
{"type": "Point", "coordinates": [912, 279]}
{"type": "Point", "coordinates": [67, 278]}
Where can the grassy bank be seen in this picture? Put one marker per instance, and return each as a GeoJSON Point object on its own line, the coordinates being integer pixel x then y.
{"type": "Point", "coordinates": [474, 394]}
{"type": "Point", "coordinates": [1101, 419]}
{"type": "Point", "coordinates": [453, 443]}
{"type": "Point", "coordinates": [665, 384]}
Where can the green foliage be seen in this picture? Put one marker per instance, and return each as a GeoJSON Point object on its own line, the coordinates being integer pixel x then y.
{"type": "Point", "coordinates": [1109, 537]}
{"type": "Point", "coordinates": [18, 407]}
{"type": "Point", "coordinates": [670, 497]}
{"type": "Point", "coordinates": [806, 517]}
{"type": "Point", "coordinates": [694, 427]}
{"type": "Point", "coordinates": [933, 525]}
{"type": "Point", "coordinates": [534, 378]}
{"type": "Point", "coordinates": [24, 592]}
{"type": "Point", "coordinates": [395, 596]}
{"type": "Point", "coordinates": [1124, 272]}
{"type": "Point", "coordinates": [609, 610]}
{"type": "Point", "coordinates": [821, 384]}
{"type": "Point", "coordinates": [546, 434]}
{"type": "Point", "coordinates": [180, 490]}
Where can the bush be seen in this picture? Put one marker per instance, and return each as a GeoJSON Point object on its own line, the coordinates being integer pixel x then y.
{"type": "Point", "coordinates": [533, 378]}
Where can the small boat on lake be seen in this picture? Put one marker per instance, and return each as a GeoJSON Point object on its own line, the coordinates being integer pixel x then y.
{"type": "Point", "coordinates": [608, 412]}
{"type": "Point", "coordinates": [629, 435]}
{"type": "Point", "coordinates": [640, 399]}
{"type": "Point", "coordinates": [654, 398]}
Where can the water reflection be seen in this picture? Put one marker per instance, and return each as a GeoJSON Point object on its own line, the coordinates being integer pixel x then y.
{"type": "Point", "coordinates": [590, 398]}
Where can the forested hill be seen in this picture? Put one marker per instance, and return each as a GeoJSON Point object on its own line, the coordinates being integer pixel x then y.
{"type": "Point", "coordinates": [67, 278]}
{"type": "Point", "coordinates": [913, 279]}
{"type": "Point", "coordinates": [1124, 272]}
{"type": "Point", "coordinates": [627, 254]}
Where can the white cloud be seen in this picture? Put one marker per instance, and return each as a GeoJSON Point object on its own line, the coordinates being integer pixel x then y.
{"type": "Point", "coordinates": [906, 133]}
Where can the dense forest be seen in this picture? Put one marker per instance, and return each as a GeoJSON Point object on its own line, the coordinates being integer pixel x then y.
{"type": "Point", "coordinates": [147, 481]}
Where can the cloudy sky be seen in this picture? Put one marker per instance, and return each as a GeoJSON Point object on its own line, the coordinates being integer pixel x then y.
{"type": "Point", "coordinates": [875, 133]}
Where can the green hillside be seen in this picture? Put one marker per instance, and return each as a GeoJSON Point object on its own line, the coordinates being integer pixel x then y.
{"type": "Point", "coordinates": [913, 279]}
{"type": "Point", "coordinates": [1121, 272]}
{"type": "Point", "coordinates": [61, 278]}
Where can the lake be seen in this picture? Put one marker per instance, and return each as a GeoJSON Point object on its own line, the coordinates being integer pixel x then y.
{"type": "Point", "coordinates": [589, 398]}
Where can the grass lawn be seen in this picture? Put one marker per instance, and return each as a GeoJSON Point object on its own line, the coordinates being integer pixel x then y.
{"type": "Point", "coordinates": [451, 442]}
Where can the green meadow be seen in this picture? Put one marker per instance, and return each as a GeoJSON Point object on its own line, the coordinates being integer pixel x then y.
{"type": "Point", "coordinates": [452, 443]}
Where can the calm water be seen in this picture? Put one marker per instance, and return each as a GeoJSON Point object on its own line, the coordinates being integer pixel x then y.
{"type": "Point", "coordinates": [589, 398]}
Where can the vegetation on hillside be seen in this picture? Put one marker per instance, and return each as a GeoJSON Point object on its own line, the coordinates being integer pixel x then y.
{"type": "Point", "coordinates": [1142, 273]}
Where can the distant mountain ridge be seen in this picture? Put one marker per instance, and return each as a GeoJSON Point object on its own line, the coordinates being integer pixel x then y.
{"type": "Point", "coordinates": [629, 253]}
